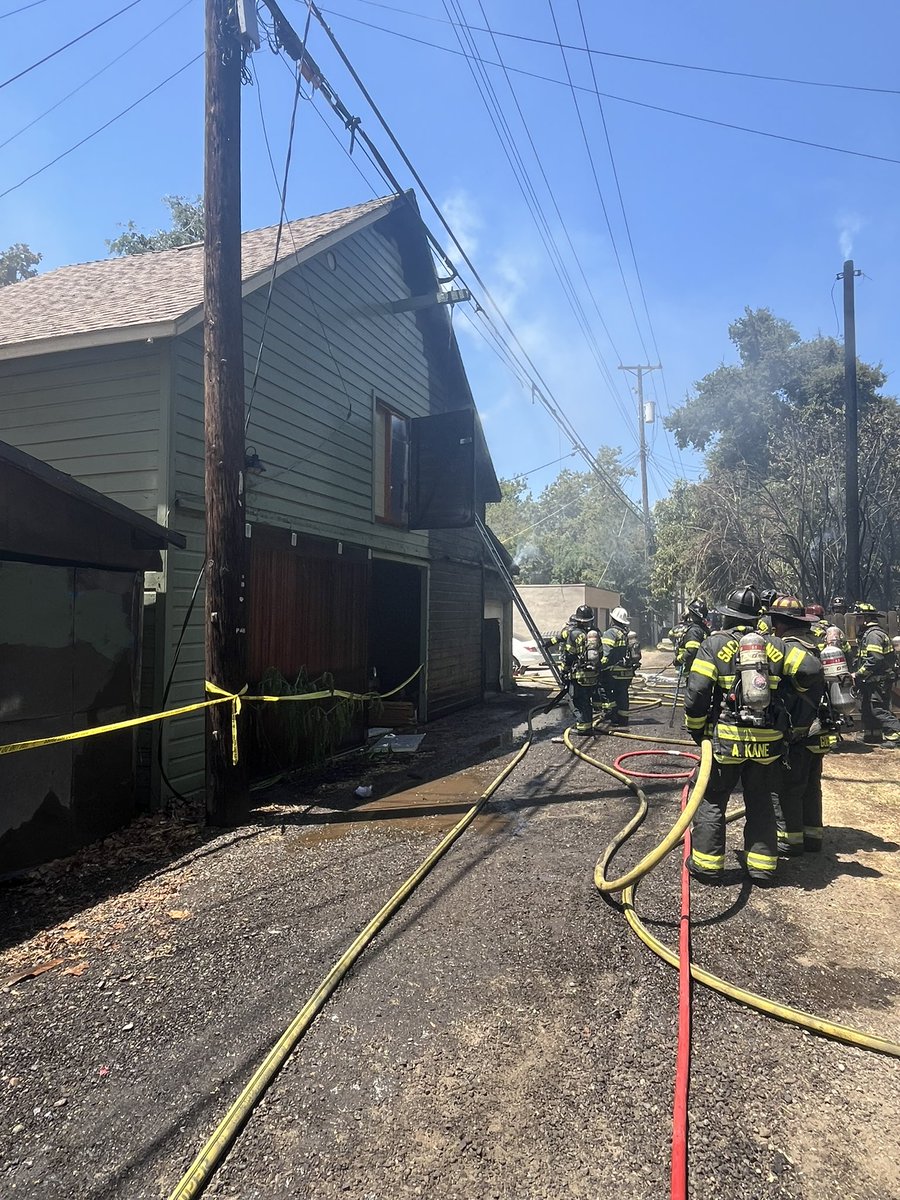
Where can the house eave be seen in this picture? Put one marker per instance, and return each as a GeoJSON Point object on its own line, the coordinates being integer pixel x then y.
{"type": "Point", "coordinates": [89, 340]}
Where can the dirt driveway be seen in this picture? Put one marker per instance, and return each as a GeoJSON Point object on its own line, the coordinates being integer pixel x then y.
{"type": "Point", "coordinates": [505, 1037]}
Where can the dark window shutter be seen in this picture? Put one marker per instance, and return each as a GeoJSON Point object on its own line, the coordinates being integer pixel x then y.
{"type": "Point", "coordinates": [442, 471]}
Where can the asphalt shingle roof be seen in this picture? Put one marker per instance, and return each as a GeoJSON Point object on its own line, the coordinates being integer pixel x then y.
{"type": "Point", "coordinates": [146, 289]}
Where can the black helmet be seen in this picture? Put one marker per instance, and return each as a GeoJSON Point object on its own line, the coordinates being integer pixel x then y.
{"type": "Point", "coordinates": [768, 597]}
{"type": "Point", "coordinates": [838, 604]}
{"type": "Point", "coordinates": [697, 608]}
{"type": "Point", "coordinates": [742, 603]}
{"type": "Point", "coordinates": [583, 615]}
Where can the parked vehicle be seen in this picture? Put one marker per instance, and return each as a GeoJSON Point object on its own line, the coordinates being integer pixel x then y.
{"type": "Point", "coordinates": [526, 656]}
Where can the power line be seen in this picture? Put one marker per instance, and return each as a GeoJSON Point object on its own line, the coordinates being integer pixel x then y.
{"type": "Point", "coordinates": [533, 203]}
{"type": "Point", "coordinates": [597, 187]}
{"type": "Point", "coordinates": [59, 49]}
{"type": "Point", "coordinates": [541, 393]}
{"type": "Point", "coordinates": [672, 112]}
{"type": "Point", "coordinates": [657, 62]}
{"type": "Point", "coordinates": [627, 222]}
{"type": "Point", "coordinates": [53, 107]}
{"type": "Point", "coordinates": [15, 11]}
{"type": "Point", "coordinates": [101, 128]}
{"type": "Point", "coordinates": [271, 287]}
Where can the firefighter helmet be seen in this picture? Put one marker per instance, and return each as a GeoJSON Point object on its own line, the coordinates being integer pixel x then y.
{"type": "Point", "coordinates": [583, 615]}
{"type": "Point", "coordinates": [697, 608]}
{"type": "Point", "coordinates": [743, 602]}
{"type": "Point", "coordinates": [868, 613]}
{"type": "Point", "coordinates": [768, 597]}
{"type": "Point", "coordinates": [816, 611]}
{"type": "Point", "coordinates": [789, 608]}
{"type": "Point", "coordinates": [839, 604]}
{"type": "Point", "coordinates": [619, 616]}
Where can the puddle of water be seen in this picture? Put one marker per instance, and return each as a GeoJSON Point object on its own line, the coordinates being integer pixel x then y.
{"type": "Point", "coordinates": [430, 808]}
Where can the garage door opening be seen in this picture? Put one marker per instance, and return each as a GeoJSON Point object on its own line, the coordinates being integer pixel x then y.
{"type": "Point", "coordinates": [395, 627]}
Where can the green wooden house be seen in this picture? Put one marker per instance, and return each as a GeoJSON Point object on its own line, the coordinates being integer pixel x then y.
{"type": "Point", "coordinates": [101, 375]}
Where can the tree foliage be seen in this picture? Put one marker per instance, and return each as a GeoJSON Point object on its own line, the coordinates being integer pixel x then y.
{"type": "Point", "coordinates": [771, 508]}
{"type": "Point", "coordinates": [187, 225]}
{"type": "Point", "coordinates": [18, 262]}
{"type": "Point", "coordinates": [574, 531]}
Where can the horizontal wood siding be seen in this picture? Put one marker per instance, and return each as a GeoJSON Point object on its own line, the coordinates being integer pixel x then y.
{"type": "Point", "coordinates": [94, 414]}
{"type": "Point", "coordinates": [455, 612]}
{"type": "Point", "coordinates": [184, 739]}
{"type": "Point", "coordinates": [332, 346]}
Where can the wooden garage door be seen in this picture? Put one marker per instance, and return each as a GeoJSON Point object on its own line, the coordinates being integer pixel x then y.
{"type": "Point", "coordinates": [308, 613]}
{"type": "Point", "coordinates": [455, 608]}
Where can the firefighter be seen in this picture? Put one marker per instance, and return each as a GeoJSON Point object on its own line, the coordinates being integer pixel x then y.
{"type": "Point", "coordinates": [818, 624]}
{"type": "Point", "coordinates": [874, 678]}
{"type": "Point", "coordinates": [617, 672]}
{"type": "Point", "coordinates": [811, 734]}
{"type": "Point", "coordinates": [579, 641]}
{"type": "Point", "coordinates": [766, 598]}
{"type": "Point", "coordinates": [731, 698]}
{"type": "Point", "coordinates": [694, 628]}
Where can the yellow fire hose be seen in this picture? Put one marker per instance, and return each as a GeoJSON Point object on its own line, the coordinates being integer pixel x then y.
{"type": "Point", "coordinates": [201, 1169]}
{"type": "Point", "coordinates": [627, 885]}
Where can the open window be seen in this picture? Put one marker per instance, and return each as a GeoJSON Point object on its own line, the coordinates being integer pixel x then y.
{"type": "Point", "coordinates": [391, 479]}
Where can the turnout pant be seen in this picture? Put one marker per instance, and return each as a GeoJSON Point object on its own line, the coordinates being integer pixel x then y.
{"type": "Point", "coordinates": [583, 699]}
{"type": "Point", "coordinates": [759, 781]}
{"type": "Point", "coordinates": [800, 802]}
{"type": "Point", "coordinates": [875, 698]}
{"type": "Point", "coordinates": [620, 695]}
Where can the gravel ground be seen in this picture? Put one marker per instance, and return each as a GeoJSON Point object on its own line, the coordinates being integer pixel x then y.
{"type": "Point", "coordinates": [505, 1036]}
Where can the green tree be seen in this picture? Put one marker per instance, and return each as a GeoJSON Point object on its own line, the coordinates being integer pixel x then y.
{"type": "Point", "coordinates": [18, 262]}
{"type": "Point", "coordinates": [573, 531]}
{"type": "Point", "coordinates": [771, 508]}
{"type": "Point", "coordinates": [187, 225]}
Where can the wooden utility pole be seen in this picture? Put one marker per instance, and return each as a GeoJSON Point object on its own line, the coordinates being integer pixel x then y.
{"type": "Point", "coordinates": [851, 434]}
{"type": "Point", "coordinates": [642, 442]}
{"type": "Point", "coordinates": [223, 350]}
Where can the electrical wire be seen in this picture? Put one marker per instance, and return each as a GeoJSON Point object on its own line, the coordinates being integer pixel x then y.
{"type": "Point", "coordinates": [90, 79]}
{"type": "Point", "coordinates": [14, 187]}
{"type": "Point", "coordinates": [543, 393]}
{"type": "Point", "coordinates": [672, 112]}
{"type": "Point", "coordinates": [292, 466]}
{"type": "Point", "coordinates": [592, 341]}
{"type": "Point", "coordinates": [15, 11]}
{"type": "Point", "coordinates": [552, 463]}
{"type": "Point", "coordinates": [597, 187]}
{"type": "Point", "coordinates": [532, 201]}
{"type": "Point", "coordinates": [658, 62]}
{"type": "Point", "coordinates": [271, 287]}
{"type": "Point", "coordinates": [53, 53]}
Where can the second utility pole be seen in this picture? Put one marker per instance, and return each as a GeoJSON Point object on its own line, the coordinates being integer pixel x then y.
{"type": "Point", "coordinates": [642, 442]}
{"type": "Point", "coordinates": [223, 407]}
{"type": "Point", "coordinates": [851, 434]}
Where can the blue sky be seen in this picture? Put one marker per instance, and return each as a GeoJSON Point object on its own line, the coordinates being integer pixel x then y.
{"type": "Point", "coordinates": [719, 219]}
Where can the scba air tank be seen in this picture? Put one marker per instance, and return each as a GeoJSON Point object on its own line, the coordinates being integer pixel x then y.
{"type": "Point", "coordinates": [755, 694]}
{"type": "Point", "coordinates": [837, 679]}
{"type": "Point", "coordinates": [834, 636]}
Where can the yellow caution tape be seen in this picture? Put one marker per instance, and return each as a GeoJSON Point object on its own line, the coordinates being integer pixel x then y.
{"type": "Point", "coordinates": [14, 747]}
{"type": "Point", "coordinates": [221, 697]}
{"type": "Point", "coordinates": [326, 695]}
{"type": "Point", "coordinates": [235, 698]}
